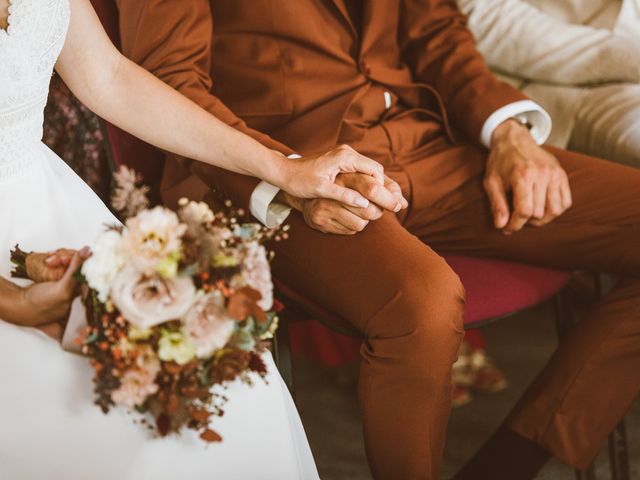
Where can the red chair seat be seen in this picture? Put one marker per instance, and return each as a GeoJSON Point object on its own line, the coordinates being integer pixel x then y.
{"type": "Point", "coordinates": [496, 288]}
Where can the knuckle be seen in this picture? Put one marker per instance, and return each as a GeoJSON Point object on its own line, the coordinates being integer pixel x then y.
{"type": "Point", "coordinates": [545, 171]}
{"type": "Point", "coordinates": [526, 172]}
{"type": "Point", "coordinates": [555, 210]}
{"type": "Point", "coordinates": [488, 181]}
{"type": "Point", "coordinates": [524, 212]}
{"type": "Point", "coordinates": [372, 190]}
{"type": "Point", "coordinates": [345, 151]}
{"type": "Point", "coordinates": [316, 217]}
{"type": "Point", "coordinates": [374, 213]}
{"type": "Point", "coordinates": [347, 197]}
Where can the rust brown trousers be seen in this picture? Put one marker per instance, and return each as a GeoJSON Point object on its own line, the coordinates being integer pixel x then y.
{"type": "Point", "coordinates": [298, 76]}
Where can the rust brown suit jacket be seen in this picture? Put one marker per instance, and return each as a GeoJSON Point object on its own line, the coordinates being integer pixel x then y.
{"type": "Point", "coordinates": [298, 76]}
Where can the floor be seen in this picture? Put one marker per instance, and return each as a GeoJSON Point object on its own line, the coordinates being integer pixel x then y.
{"type": "Point", "coordinates": [327, 403]}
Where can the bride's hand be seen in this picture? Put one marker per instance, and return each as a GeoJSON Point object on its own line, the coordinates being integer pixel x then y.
{"type": "Point", "coordinates": [48, 267]}
{"type": "Point", "coordinates": [314, 176]}
{"type": "Point", "coordinates": [51, 301]}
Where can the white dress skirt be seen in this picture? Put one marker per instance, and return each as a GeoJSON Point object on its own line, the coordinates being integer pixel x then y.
{"type": "Point", "coordinates": [49, 425]}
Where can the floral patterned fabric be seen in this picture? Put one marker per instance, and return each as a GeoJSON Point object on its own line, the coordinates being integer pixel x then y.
{"type": "Point", "coordinates": [73, 132]}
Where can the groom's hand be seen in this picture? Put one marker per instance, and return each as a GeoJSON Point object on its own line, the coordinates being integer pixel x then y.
{"type": "Point", "coordinates": [330, 216]}
{"type": "Point", "coordinates": [534, 178]}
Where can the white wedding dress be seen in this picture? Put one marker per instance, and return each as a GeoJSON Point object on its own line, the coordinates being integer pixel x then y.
{"type": "Point", "coordinates": [49, 426]}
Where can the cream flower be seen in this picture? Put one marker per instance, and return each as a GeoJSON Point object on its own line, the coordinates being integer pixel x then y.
{"type": "Point", "coordinates": [135, 386]}
{"type": "Point", "coordinates": [256, 273]}
{"type": "Point", "coordinates": [151, 237]}
{"type": "Point", "coordinates": [149, 301]}
{"type": "Point", "coordinates": [104, 264]}
{"type": "Point", "coordinates": [147, 360]}
{"type": "Point", "coordinates": [208, 325]}
{"type": "Point", "coordinates": [195, 214]}
{"type": "Point", "coordinates": [128, 197]}
{"type": "Point", "coordinates": [176, 347]}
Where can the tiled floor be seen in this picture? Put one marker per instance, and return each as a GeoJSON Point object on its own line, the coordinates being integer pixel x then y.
{"type": "Point", "coordinates": [520, 344]}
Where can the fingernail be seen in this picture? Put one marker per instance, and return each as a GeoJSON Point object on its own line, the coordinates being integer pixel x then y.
{"type": "Point", "coordinates": [85, 252]}
{"type": "Point", "coordinates": [49, 260]}
{"type": "Point", "coordinates": [362, 202]}
{"type": "Point", "coordinates": [398, 208]}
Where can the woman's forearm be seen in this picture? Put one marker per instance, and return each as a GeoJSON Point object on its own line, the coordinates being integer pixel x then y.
{"type": "Point", "coordinates": [136, 101]}
{"type": "Point", "coordinates": [13, 307]}
{"type": "Point", "coordinates": [149, 109]}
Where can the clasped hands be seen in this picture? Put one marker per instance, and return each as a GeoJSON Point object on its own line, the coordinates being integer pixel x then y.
{"type": "Point", "coordinates": [47, 302]}
{"type": "Point", "coordinates": [525, 184]}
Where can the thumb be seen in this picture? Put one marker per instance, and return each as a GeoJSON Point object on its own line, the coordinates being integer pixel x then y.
{"type": "Point", "coordinates": [68, 280]}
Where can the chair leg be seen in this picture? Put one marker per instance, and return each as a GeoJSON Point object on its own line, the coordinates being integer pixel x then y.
{"type": "Point", "coordinates": [619, 453]}
{"type": "Point", "coordinates": [563, 315]}
{"type": "Point", "coordinates": [282, 354]}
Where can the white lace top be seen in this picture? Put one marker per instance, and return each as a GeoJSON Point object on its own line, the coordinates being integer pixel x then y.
{"type": "Point", "coordinates": [29, 49]}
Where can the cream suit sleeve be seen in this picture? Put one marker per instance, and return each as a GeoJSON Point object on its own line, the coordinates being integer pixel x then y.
{"type": "Point", "coordinates": [518, 39]}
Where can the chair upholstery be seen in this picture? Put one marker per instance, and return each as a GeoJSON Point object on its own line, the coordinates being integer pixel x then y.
{"type": "Point", "coordinates": [495, 288]}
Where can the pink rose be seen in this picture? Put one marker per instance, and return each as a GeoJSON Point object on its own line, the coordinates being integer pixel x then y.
{"type": "Point", "coordinates": [135, 386]}
{"type": "Point", "coordinates": [256, 273]}
{"type": "Point", "coordinates": [208, 325]}
{"type": "Point", "coordinates": [149, 301]}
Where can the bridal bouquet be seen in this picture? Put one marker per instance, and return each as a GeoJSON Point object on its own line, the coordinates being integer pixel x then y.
{"type": "Point", "coordinates": [177, 303]}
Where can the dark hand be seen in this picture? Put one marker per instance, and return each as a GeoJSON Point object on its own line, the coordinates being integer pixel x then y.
{"type": "Point", "coordinates": [51, 301]}
{"type": "Point", "coordinates": [538, 183]}
{"type": "Point", "coordinates": [48, 267]}
{"type": "Point", "coordinates": [329, 216]}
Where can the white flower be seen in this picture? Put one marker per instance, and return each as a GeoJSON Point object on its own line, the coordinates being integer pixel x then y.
{"type": "Point", "coordinates": [104, 264]}
{"type": "Point", "coordinates": [256, 273]}
{"type": "Point", "coordinates": [149, 301]}
{"type": "Point", "coordinates": [151, 237]}
{"type": "Point", "coordinates": [195, 214]}
{"type": "Point", "coordinates": [208, 325]}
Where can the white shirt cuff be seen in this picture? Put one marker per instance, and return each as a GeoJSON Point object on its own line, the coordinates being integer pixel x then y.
{"type": "Point", "coordinates": [271, 214]}
{"type": "Point", "coordinates": [537, 116]}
